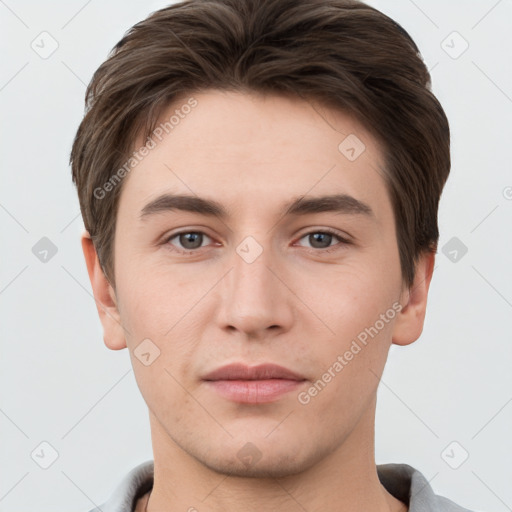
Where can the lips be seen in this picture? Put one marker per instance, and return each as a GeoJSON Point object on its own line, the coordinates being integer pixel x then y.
{"type": "Point", "coordinates": [253, 384]}
{"type": "Point", "coordinates": [239, 371]}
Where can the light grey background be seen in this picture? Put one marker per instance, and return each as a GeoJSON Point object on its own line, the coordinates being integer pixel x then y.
{"type": "Point", "coordinates": [61, 385]}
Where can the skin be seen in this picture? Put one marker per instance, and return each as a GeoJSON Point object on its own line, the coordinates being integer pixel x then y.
{"type": "Point", "coordinates": [295, 305]}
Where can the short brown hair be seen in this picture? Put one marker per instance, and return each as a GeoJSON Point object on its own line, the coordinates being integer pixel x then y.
{"type": "Point", "coordinates": [343, 53]}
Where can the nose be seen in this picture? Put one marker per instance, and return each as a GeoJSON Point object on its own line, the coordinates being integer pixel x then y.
{"type": "Point", "coordinates": [254, 298]}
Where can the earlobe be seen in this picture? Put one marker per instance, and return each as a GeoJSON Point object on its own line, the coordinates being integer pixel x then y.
{"type": "Point", "coordinates": [409, 322]}
{"type": "Point", "coordinates": [104, 296]}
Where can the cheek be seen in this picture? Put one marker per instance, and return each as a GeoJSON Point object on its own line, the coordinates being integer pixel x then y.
{"type": "Point", "coordinates": [154, 300]}
{"type": "Point", "coordinates": [154, 312]}
{"type": "Point", "coordinates": [357, 308]}
{"type": "Point", "coordinates": [160, 345]}
{"type": "Point", "coordinates": [349, 365]}
{"type": "Point", "coordinates": [349, 297]}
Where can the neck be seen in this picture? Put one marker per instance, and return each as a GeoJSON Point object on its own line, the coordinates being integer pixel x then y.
{"type": "Point", "coordinates": [345, 480]}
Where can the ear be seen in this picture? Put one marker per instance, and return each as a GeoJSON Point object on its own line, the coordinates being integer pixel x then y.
{"type": "Point", "coordinates": [104, 296]}
{"type": "Point", "coordinates": [409, 321]}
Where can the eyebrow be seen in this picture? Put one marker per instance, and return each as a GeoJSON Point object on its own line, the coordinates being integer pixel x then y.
{"type": "Point", "coordinates": [336, 203]}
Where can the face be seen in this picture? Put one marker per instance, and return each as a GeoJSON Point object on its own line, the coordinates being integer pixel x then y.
{"type": "Point", "coordinates": [281, 251]}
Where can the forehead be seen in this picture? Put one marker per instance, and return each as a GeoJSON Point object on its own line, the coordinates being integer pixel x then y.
{"type": "Point", "coordinates": [252, 150]}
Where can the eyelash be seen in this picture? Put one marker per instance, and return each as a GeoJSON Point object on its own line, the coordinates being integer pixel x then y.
{"type": "Point", "coordinates": [191, 252]}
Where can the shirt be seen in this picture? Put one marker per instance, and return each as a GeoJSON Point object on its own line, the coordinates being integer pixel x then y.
{"type": "Point", "coordinates": [401, 480]}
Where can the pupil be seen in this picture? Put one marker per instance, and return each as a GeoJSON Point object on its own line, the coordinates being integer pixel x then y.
{"type": "Point", "coordinates": [321, 237]}
{"type": "Point", "coordinates": [189, 240]}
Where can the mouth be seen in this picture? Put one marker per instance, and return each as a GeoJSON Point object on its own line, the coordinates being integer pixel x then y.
{"type": "Point", "coordinates": [253, 384]}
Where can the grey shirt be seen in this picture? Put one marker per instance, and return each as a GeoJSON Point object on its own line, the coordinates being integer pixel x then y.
{"type": "Point", "coordinates": [402, 481]}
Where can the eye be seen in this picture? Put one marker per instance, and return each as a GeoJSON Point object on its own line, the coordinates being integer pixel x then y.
{"type": "Point", "coordinates": [323, 239]}
{"type": "Point", "coordinates": [188, 240]}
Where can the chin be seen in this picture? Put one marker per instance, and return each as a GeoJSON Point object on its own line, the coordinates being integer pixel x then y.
{"type": "Point", "coordinates": [272, 466]}
{"type": "Point", "coordinates": [260, 458]}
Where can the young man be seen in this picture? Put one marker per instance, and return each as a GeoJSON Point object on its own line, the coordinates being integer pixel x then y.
{"type": "Point", "coordinates": [259, 181]}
